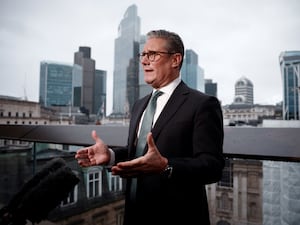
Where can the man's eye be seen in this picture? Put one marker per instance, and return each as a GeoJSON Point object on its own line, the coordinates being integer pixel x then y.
{"type": "Point", "coordinates": [151, 53]}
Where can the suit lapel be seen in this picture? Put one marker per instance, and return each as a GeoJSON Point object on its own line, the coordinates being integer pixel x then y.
{"type": "Point", "coordinates": [135, 119]}
{"type": "Point", "coordinates": [176, 100]}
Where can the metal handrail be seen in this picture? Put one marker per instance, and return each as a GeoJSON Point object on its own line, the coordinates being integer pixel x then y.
{"type": "Point", "coordinates": [280, 144]}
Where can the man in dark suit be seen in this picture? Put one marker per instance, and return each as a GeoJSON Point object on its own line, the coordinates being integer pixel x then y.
{"type": "Point", "coordinates": [181, 154]}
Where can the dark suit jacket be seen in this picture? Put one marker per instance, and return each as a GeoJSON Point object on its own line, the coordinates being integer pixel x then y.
{"type": "Point", "coordinates": [189, 132]}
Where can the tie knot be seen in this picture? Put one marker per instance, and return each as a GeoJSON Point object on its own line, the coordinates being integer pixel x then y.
{"type": "Point", "coordinates": [156, 94]}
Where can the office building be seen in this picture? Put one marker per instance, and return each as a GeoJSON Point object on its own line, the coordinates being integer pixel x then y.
{"type": "Point", "coordinates": [243, 92]}
{"type": "Point", "coordinates": [211, 88]}
{"type": "Point", "coordinates": [100, 93]}
{"type": "Point", "coordinates": [86, 65]}
{"type": "Point", "coordinates": [126, 63]}
{"type": "Point", "coordinates": [290, 74]}
{"type": "Point", "coordinates": [144, 88]}
{"type": "Point", "coordinates": [191, 73]}
{"type": "Point", "coordinates": [55, 84]}
{"type": "Point", "coordinates": [73, 87]}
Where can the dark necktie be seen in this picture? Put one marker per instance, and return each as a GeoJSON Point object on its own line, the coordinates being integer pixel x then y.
{"type": "Point", "coordinates": [144, 130]}
{"type": "Point", "coordinates": [147, 124]}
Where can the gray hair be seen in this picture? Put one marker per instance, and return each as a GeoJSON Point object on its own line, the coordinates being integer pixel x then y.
{"type": "Point", "coordinates": [174, 42]}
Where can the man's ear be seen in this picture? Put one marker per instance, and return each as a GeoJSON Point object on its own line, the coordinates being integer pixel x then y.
{"type": "Point", "coordinates": [177, 58]}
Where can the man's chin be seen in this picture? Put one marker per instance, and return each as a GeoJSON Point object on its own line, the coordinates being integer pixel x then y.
{"type": "Point", "coordinates": [149, 82]}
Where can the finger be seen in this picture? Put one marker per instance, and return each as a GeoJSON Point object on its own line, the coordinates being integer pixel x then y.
{"type": "Point", "coordinates": [84, 163]}
{"type": "Point", "coordinates": [127, 175]}
{"type": "Point", "coordinates": [116, 170]}
{"type": "Point", "coordinates": [129, 164]}
{"type": "Point", "coordinates": [82, 153]}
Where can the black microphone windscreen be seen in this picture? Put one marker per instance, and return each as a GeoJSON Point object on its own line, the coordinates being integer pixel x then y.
{"type": "Point", "coordinates": [42, 193]}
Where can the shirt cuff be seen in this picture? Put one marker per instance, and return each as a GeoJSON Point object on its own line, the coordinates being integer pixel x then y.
{"type": "Point", "coordinates": [112, 157]}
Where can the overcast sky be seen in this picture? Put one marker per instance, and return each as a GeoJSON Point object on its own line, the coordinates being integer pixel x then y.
{"type": "Point", "coordinates": [232, 38]}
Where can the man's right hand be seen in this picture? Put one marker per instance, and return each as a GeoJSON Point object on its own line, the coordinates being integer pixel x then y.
{"type": "Point", "coordinates": [97, 154]}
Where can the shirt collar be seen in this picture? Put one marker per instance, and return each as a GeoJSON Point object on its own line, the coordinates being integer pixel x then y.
{"type": "Point", "coordinates": [169, 88]}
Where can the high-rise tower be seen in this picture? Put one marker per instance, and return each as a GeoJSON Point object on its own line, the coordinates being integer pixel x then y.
{"type": "Point", "coordinates": [191, 73]}
{"type": "Point", "coordinates": [211, 88]}
{"type": "Point", "coordinates": [290, 74]}
{"type": "Point", "coordinates": [84, 73]}
{"type": "Point", "coordinates": [126, 62]}
{"type": "Point", "coordinates": [243, 91]}
{"type": "Point", "coordinates": [144, 88]}
{"type": "Point", "coordinates": [55, 84]}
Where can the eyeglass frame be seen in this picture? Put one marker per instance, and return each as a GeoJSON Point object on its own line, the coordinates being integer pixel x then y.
{"type": "Point", "coordinates": [153, 54]}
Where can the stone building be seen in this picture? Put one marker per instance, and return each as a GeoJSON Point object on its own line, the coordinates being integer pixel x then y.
{"type": "Point", "coordinates": [237, 198]}
{"type": "Point", "coordinates": [19, 112]}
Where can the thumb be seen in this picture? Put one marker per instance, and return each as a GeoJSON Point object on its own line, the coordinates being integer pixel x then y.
{"type": "Point", "coordinates": [150, 141]}
{"type": "Point", "coordinates": [95, 136]}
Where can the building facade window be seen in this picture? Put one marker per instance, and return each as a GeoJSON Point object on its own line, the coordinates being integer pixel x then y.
{"type": "Point", "coordinates": [224, 203]}
{"type": "Point", "coordinates": [114, 182]}
{"type": "Point", "coordinates": [94, 183]}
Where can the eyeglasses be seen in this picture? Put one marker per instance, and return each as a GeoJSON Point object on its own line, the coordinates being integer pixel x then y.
{"type": "Point", "coordinates": [153, 55]}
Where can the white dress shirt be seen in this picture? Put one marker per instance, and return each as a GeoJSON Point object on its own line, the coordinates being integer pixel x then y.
{"type": "Point", "coordinates": [162, 100]}
{"type": "Point", "coordinates": [160, 104]}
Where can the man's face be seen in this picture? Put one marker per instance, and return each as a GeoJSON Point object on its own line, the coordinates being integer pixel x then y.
{"type": "Point", "coordinates": [162, 70]}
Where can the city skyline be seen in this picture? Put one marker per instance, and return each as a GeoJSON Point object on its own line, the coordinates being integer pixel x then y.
{"type": "Point", "coordinates": [232, 39]}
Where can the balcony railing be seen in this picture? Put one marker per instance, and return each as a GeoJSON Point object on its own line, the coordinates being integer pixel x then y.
{"type": "Point", "coordinates": [281, 144]}
{"type": "Point", "coordinates": [260, 161]}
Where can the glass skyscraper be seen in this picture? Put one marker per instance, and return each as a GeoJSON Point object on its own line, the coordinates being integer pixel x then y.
{"type": "Point", "coordinates": [191, 73]}
{"type": "Point", "coordinates": [126, 63]}
{"type": "Point", "coordinates": [55, 84]}
{"type": "Point", "coordinates": [78, 85]}
{"type": "Point", "coordinates": [290, 74]}
{"type": "Point", "coordinates": [100, 93]}
{"type": "Point", "coordinates": [144, 89]}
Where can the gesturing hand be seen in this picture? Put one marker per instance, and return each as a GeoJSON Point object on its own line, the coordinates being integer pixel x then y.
{"type": "Point", "coordinates": [151, 162]}
{"type": "Point", "coordinates": [96, 154]}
